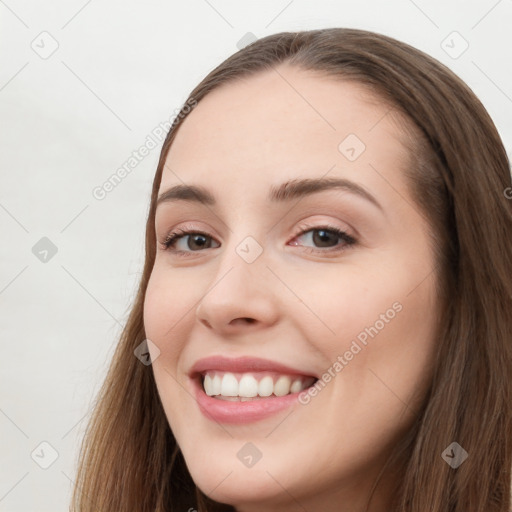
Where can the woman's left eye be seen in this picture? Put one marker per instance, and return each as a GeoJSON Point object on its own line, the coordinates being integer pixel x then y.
{"type": "Point", "coordinates": [328, 238]}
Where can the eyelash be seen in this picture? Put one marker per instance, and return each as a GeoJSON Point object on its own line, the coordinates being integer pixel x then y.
{"type": "Point", "coordinates": [348, 240]}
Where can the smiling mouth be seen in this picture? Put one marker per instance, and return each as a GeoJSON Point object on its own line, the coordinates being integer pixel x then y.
{"type": "Point", "coordinates": [250, 386]}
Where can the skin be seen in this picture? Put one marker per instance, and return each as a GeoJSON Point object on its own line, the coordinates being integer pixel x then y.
{"type": "Point", "coordinates": [306, 307]}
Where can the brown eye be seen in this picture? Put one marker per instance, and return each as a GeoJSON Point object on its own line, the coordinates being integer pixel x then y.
{"type": "Point", "coordinates": [327, 237]}
{"type": "Point", "coordinates": [193, 241]}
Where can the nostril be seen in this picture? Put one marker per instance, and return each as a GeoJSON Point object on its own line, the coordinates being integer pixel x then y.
{"type": "Point", "coordinates": [242, 320]}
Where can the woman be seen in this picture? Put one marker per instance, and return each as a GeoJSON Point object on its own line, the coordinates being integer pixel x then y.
{"type": "Point", "coordinates": [326, 297]}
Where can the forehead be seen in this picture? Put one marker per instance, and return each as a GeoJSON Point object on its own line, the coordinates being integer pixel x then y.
{"type": "Point", "coordinates": [284, 123]}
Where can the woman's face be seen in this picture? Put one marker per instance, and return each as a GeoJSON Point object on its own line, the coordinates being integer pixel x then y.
{"type": "Point", "coordinates": [264, 275]}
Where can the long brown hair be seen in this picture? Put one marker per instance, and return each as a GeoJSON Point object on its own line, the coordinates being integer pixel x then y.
{"type": "Point", "coordinates": [458, 177]}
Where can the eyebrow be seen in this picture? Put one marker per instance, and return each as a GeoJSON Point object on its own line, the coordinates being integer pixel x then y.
{"type": "Point", "coordinates": [287, 191]}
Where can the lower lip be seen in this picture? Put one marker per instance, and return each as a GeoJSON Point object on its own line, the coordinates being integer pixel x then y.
{"type": "Point", "coordinates": [225, 411]}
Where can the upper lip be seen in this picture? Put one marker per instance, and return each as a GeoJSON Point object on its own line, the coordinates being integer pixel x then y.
{"type": "Point", "coordinates": [243, 364]}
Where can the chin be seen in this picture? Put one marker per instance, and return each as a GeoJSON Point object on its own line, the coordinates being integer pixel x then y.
{"type": "Point", "coordinates": [237, 486]}
{"type": "Point", "coordinates": [224, 478]}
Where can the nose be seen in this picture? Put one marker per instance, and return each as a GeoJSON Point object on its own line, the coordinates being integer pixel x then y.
{"type": "Point", "coordinates": [241, 296]}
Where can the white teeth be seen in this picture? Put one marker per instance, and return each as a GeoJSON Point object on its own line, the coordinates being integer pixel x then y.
{"type": "Point", "coordinates": [296, 386]}
{"type": "Point", "coordinates": [208, 386]}
{"type": "Point", "coordinates": [226, 386]}
{"type": "Point", "coordinates": [229, 385]}
{"type": "Point", "coordinates": [282, 386]}
{"type": "Point", "coordinates": [229, 398]}
{"type": "Point", "coordinates": [248, 386]}
{"type": "Point", "coordinates": [266, 386]}
{"type": "Point", "coordinates": [217, 384]}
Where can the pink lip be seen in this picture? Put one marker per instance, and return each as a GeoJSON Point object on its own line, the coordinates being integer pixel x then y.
{"type": "Point", "coordinates": [223, 411]}
{"type": "Point", "coordinates": [243, 364]}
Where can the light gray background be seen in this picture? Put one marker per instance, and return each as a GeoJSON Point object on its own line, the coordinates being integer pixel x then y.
{"type": "Point", "coordinates": [70, 120]}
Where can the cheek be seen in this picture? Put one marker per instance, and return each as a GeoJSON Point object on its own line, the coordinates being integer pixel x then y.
{"type": "Point", "coordinates": [377, 335]}
{"type": "Point", "coordinates": [166, 307]}
{"type": "Point", "coordinates": [164, 320]}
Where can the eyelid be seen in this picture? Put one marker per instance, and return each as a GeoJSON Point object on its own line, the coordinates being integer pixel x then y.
{"type": "Point", "coordinates": [326, 225]}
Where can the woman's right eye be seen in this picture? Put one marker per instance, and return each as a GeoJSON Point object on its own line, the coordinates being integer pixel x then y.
{"type": "Point", "coordinates": [195, 238]}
